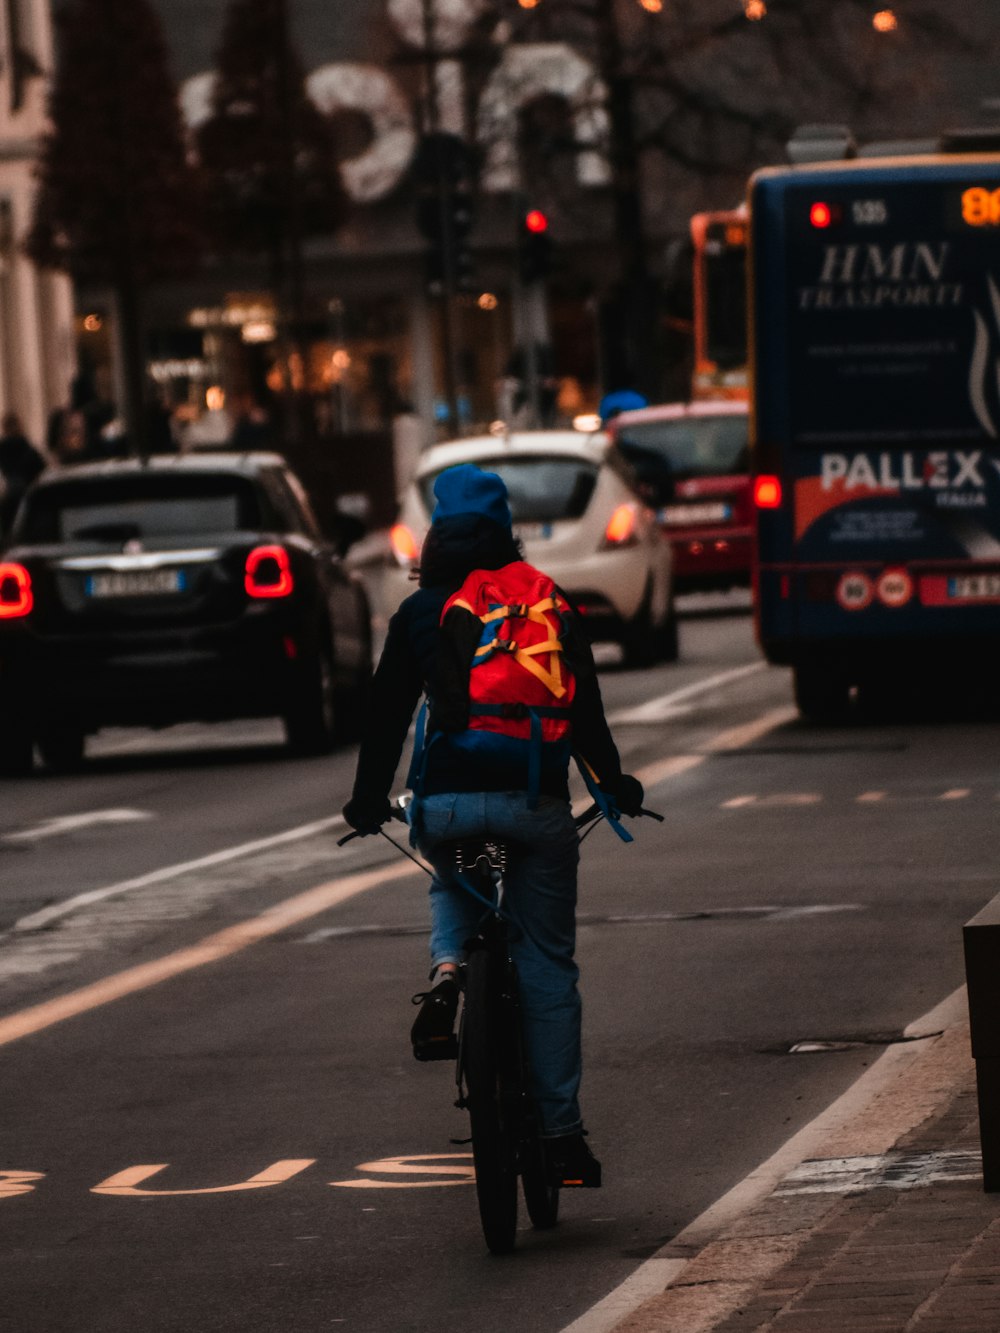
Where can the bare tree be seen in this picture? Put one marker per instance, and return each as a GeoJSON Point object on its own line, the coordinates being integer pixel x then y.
{"type": "Point", "coordinates": [118, 202]}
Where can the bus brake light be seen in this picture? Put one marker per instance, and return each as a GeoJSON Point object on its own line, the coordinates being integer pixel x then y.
{"type": "Point", "coordinates": [821, 214]}
{"type": "Point", "coordinates": [767, 492]}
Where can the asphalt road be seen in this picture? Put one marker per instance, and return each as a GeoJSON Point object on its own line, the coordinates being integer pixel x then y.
{"type": "Point", "coordinates": [808, 887]}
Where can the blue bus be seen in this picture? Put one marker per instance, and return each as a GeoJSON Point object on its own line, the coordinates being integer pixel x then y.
{"type": "Point", "coordinates": [875, 419]}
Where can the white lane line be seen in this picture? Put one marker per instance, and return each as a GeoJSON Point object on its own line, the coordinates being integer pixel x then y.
{"type": "Point", "coordinates": [45, 917]}
{"type": "Point", "coordinates": [51, 828]}
{"type": "Point", "coordinates": [871, 797]}
{"type": "Point", "coordinates": [955, 794]}
{"type": "Point", "coordinates": [223, 944]}
{"type": "Point", "coordinates": [764, 1179]}
{"type": "Point", "coordinates": [665, 706]}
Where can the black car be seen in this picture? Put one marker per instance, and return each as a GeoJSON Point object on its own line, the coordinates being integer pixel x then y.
{"type": "Point", "coordinates": [194, 588]}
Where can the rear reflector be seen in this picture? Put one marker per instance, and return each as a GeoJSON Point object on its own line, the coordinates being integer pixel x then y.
{"type": "Point", "coordinates": [621, 526]}
{"type": "Point", "coordinates": [767, 492]}
{"type": "Point", "coordinates": [268, 573]}
{"type": "Point", "coordinates": [16, 598]}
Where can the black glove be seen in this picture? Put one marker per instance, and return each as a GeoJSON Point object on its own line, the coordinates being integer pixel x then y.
{"type": "Point", "coordinates": [626, 793]}
{"type": "Point", "coordinates": [367, 816]}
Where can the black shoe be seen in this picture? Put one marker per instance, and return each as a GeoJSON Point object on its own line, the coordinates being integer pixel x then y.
{"type": "Point", "coordinates": [433, 1031]}
{"type": "Point", "coordinates": [571, 1164]}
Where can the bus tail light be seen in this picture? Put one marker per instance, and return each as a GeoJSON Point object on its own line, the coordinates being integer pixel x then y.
{"type": "Point", "coordinates": [403, 543]}
{"type": "Point", "coordinates": [621, 529]}
{"type": "Point", "coordinates": [767, 492]}
{"type": "Point", "coordinates": [268, 572]}
{"type": "Point", "coordinates": [16, 597]}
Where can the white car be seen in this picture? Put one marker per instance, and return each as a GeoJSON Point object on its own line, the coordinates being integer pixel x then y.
{"type": "Point", "coordinates": [579, 518]}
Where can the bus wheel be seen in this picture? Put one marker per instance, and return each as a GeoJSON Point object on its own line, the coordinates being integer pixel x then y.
{"type": "Point", "coordinates": [821, 692]}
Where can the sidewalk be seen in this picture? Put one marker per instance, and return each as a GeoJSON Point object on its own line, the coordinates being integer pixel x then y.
{"type": "Point", "coordinates": [887, 1227]}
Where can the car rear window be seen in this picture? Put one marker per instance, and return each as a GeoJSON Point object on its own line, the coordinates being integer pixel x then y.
{"type": "Point", "coordinates": [540, 489]}
{"type": "Point", "coordinates": [687, 447]}
{"type": "Point", "coordinates": [114, 510]}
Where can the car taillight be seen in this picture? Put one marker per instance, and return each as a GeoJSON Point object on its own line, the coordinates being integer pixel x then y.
{"type": "Point", "coordinates": [403, 543]}
{"type": "Point", "coordinates": [621, 529]}
{"type": "Point", "coordinates": [268, 572]}
{"type": "Point", "coordinates": [767, 492]}
{"type": "Point", "coordinates": [16, 598]}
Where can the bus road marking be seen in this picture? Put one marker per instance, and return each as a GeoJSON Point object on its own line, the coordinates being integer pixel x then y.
{"type": "Point", "coordinates": [421, 1164]}
{"type": "Point", "coordinates": [125, 1184]}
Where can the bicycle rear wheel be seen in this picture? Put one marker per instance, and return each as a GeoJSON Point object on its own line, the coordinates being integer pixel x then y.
{"type": "Point", "coordinates": [493, 1151]}
{"type": "Point", "coordinates": [541, 1198]}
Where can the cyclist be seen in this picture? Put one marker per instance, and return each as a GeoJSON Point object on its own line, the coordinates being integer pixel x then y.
{"type": "Point", "coordinates": [464, 795]}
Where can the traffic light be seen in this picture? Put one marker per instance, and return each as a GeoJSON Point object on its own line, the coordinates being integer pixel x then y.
{"type": "Point", "coordinates": [445, 219]}
{"type": "Point", "coordinates": [443, 170]}
{"type": "Point", "coordinates": [534, 246]}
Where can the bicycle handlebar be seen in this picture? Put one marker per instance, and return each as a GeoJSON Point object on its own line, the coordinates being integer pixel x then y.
{"type": "Point", "coordinates": [395, 813]}
{"type": "Point", "coordinates": [582, 820]}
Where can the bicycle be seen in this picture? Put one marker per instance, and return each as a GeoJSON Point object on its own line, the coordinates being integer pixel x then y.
{"type": "Point", "coordinates": [492, 1074]}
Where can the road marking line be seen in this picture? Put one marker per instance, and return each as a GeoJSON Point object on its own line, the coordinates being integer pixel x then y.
{"type": "Point", "coordinates": [955, 794]}
{"type": "Point", "coordinates": [651, 774]}
{"type": "Point", "coordinates": [661, 708]}
{"type": "Point", "coordinates": [738, 802]}
{"type": "Point", "coordinates": [738, 738]}
{"type": "Point", "coordinates": [39, 920]}
{"type": "Point", "coordinates": [50, 828]}
{"type": "Point", "coordinates": [870, 797]}
{"type": "Point", "coordinates": [897, 1169]}
{"type": "Point", "coordinates": [224, 944]}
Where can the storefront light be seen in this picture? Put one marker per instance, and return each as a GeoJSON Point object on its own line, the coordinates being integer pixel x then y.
{"type": "Point", "coordinates": [487, 301]}
{"type": "Point", "coordinates": [258, 331]}
{"type": "Point", "coordinates": [93, 323]}
{"type": "Point", "coordinates": [215, 397]}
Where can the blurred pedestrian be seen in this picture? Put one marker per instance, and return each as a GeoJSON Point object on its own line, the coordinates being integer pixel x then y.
{"type": "Point", "coordinates": [20, 464]}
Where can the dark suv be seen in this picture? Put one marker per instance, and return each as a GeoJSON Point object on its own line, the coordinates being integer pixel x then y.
{"type": "Point", "coordinates": [184, 589]}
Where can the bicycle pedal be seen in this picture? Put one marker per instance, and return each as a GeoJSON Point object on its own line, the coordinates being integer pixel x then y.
{"type": "Point", "coordinates": [437, 1048]}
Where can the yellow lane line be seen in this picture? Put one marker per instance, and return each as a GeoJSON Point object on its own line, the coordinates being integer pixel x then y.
{"type": "Point", "coordinates": [224, 944]}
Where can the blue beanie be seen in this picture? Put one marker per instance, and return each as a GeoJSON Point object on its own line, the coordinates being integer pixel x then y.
{"type": "Point", "coordinates": [466, 489]}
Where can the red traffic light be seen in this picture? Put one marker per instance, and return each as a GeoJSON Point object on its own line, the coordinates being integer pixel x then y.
{"type": "Point", "coordinates": [535, 221]}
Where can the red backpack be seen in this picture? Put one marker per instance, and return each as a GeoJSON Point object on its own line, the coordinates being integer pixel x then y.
{"type": "Point", "coordinates": [506, 684]}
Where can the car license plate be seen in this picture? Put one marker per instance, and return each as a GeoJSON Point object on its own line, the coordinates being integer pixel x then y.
{"type": "Point", "coordinates": [974, 588]}
{"type": "Point", "coordinates": [135, 583]}
{"type": "Point", "coordinates": [676, 515]}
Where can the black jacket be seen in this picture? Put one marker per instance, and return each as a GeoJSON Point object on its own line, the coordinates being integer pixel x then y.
{"type": "Point", "coordinates": [407, 666]}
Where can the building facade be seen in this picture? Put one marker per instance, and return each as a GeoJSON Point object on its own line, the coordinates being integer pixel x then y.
{"type": "Point", "coordinates": [37, 351]}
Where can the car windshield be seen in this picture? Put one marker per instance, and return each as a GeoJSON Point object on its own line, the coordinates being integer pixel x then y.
{"type": "Point", "coordinates": [113, 510]}
{"type": "Point", "coordinates": [687, 447]}
{"type": "Point", "coordinates": [541, 489]}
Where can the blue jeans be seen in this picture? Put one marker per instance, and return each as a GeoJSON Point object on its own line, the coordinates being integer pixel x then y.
{"type": "Point", "coordinates": [540, 885]}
